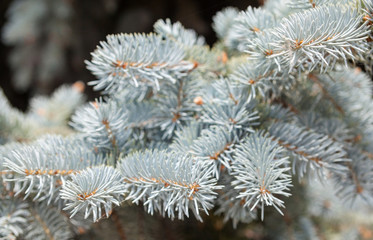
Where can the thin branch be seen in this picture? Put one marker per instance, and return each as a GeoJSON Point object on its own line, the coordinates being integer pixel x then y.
{"type": "Point", "coordinates": [314, 78]}
{"type": "Point", "coordinates": [118, 225]}
{"type": "Point", "coordinates": [44, 225]}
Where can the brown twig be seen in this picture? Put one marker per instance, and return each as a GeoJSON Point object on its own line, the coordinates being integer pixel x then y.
{"type": "Point", "coordinates": [44, 226]}
{"type": "Point", "coordinates": [359, 188]}
{"type": "Point", "coordinates": [110, 132]}
{"type": "Point", "coordinates": [314, 78]}
{"type": "Point", "coordinates": [287, 105]}
{"type": "Point", "coordinates": [115, 218]}
{"type": "Point", "coordinates": [302, 153]}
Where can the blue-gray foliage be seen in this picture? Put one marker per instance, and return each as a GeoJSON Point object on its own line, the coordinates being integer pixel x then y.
{"type": "Point", "coordinates": [184, 128]}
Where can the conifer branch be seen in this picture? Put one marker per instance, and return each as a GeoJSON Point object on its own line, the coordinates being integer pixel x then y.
{"type": "Point", "coordinates": [183, 127]}
{"type": "Point", "coordinates": [168, 183]}
{"type": "Point", "coordinates": [325, 92]}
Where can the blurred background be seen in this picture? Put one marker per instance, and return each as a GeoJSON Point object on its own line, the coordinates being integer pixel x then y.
{"type": "Point", "coordinates": [44, 42]}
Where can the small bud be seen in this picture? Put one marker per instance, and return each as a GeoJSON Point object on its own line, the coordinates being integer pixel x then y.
{"type": "Point", "coordinates": [95, 105]}
{"type": "Point", "coordinates": [41, 112]}
{"type": "Point", "coordinates": [359, 189]}
{"type": "Point", "coordinates": [357, 70]}
{"type": "Point", "coordinates": [255, 29]}
{"type": "Point", "coordinates": [81, 230]}
{"type": "Point", "coordinates": [268, 52]}
{"type": "Point", "coordinates": [59, 182]}
{"type": "Point", "coordinates": [223, 58]}
{"type": "Point", "coordinates": [365, 232]}
{"type": "Point", "coordinates": [79, 86]}
{"type": "Point", "coordinates": [195, 64]}
{"type": "Point", "coordinates": [366, 18]}
{"type": "Point", "coordinates": [198, 100]}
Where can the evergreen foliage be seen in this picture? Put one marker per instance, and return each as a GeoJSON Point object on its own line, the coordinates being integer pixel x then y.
{"type": "Point", "coordinates": [46, 43]}
{"type": "Point", "coordinates": [275, 119]}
